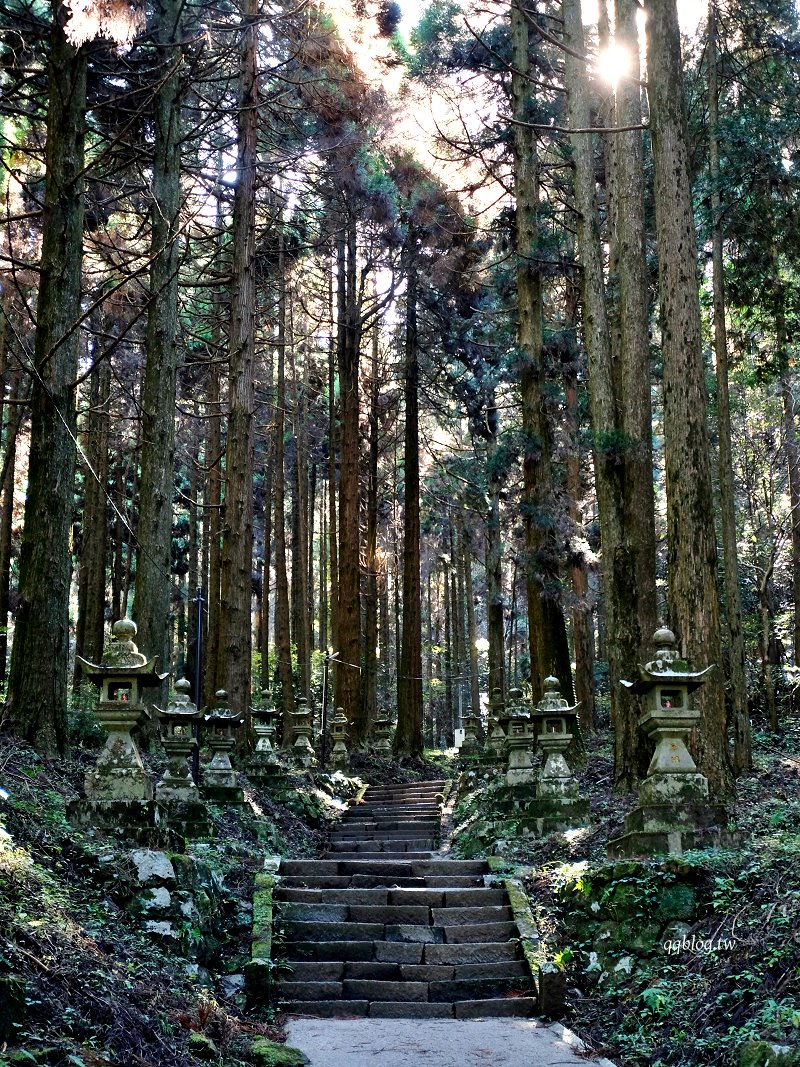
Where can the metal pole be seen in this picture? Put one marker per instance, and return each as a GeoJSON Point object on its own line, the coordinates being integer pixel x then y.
{"type": "Point", "coordinates": [198, 678]}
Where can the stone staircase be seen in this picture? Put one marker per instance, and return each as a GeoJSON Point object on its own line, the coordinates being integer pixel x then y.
{"type": "Point", "coordinates": [382, 926]}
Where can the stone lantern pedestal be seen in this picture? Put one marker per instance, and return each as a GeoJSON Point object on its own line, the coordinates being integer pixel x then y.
{"type": "Point", "coordinates": [177, 794]}
{"type": "Point", "coordinates": [340, 757]}
{"type": "Point", "coordinates": [381, 732]}
{"type": "Point", "coordinates": [220, 783]}
{"type": "Point", "coordinates": [119, 793]}
{"type": "Point", "coordinates": [674, 813]}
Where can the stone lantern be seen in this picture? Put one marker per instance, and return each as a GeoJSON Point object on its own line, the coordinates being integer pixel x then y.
{"type": "Point", "coordinates": [495, 734]}
{"type": "Point", "coordinates": [519, 740]}
{"type": "Point", "coordinates": [177, 793]}
{"type": "Point", "coordinates": [552, 717]}
{"type": "Point", "coordinates": [674, 813]}
{"type": "Point", "coordinates": [302, 751]}
{"type": "Point", "coordinates": [470, 743]}
{"type": "Point", "coordinates": [118, 789]}
{"type": "Point", "coordinates": [219, 777]}
{"type": "Point", "coordinates": [263, 764]}
{"type": "Point", "coordinates": [381, 731]}
{"type": "Point", "coordinates": [340, 757]}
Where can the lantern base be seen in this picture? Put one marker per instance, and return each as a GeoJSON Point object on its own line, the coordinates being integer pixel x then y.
{"type": "Point", "coordinates": [222, 794]}
{"type": "Point", "coordinates": [672, 842]}
{"type": "Point", "coordinates": [135, 821]}
{"type": "Point", "coordinates": [188, 817]}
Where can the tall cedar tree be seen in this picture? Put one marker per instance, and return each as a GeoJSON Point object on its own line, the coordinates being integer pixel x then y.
{"type": "Point", "coordinates": [37, 687]}
{"type": "Point", "coordinates": [691, 539]}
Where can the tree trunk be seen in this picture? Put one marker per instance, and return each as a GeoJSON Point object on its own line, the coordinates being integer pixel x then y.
{"type": "Point", "coordinates": [37, 688]}
{"type": "Point", "coordinates": [7, 521]}
{"type": "Point", "coordinates": [369, 691]}
{"type": "Point", "coordinates": [742, 741]}
{"type": "Point", "coordinates": [236, 564]}
{"type": "Point", "coordinates": [472, 633]}
{"type": "Point", "coordinates": [547, 635]}
{"type": "Point", "coordinates": [283, 643]}
{"type": "Point", "coordinates": [691, 541]}
{"type": "Point", "coordinates": [494, 562]}
{"type": "Point", "coordinates": [151, 601]}
{"type": "Point", "coordinates": [347, 677]}
{"type": "Point", "coordinates": [408, 735]}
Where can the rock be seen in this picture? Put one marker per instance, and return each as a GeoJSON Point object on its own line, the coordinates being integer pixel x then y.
{"type": "Point", "coordinates": [232, 985]}
{"type": "Point", "coordinates": [203, 1047]}
{"type": "Point", "coordinates": [163, 930]}
{"type": "Point", "coordinates": [268, 1053]}
{"type": "Point", "coordinates": [153, 868]}
{"type": "Point", "coordinates": [764, 1054]}
{"type": "Point", "coordinates": [156, 899]}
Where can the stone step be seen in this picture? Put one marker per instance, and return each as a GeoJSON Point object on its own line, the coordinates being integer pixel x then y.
{"type": "Point", "coordinates": [473, 953]}
{"type": "Point", "coordinates": [457, 916]}
{"type": "Point", "coordinates": [388, 854]}
{"type": "Point", "coordinates": [508, 1007]}
{"type": "Point", "coordinates": [474, 932]}
{"type": "Point", "coordinates": [392, 844]}
{"type": "Point", "coordinates": [431, 898]}
{"type": "Point", "coordinates": [387, 826]}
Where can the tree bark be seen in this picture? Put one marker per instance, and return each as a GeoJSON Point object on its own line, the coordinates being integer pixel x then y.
{"type": "Point", "coordinates": [236, 564]}
{"type": "Point", "coordinates": [408, 741]}
{"type": "Point", "coordinates": [369, 691]}
{"type": "Point", "coordinates": [547, 635]}
{"type": "Point", "coordinates": [742, 740]}
{"type": "Point", "coordinates": [151, 600]}
{"type": "Point", "coordinates": [347, 677]}
{"type": "Point", "coordinates": [37, 688]}
{"type": "Point", "coordinates": [691, 540]}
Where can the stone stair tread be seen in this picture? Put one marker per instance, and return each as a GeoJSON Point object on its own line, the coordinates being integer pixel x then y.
{"type": "Point", "coordinates": [385, 855]}
{"type": "Point", "coordinates": [473, 988]}
{"type": "Point", "coordinates": [290, 990]}
{"type": "Point", "coordinates": [327, 951]}
{"type": "Point", "coordinates": [399, 951]}
{"type": "Point", "coordinates": [358, 989]}
{"type": "Point", "coordinates": [466, 916]}
{"type": "Point", "coordinates": [474, 952]}
{"type": "Point", "coordinates": [333, 931]}
{"type": "Point", "coordinates": [497, 1008]}
{"type": "Point", "coordinates": [478, 897]}
{"type": "Point", "coordinates": [430, 898]}
{"type": "Point", "coordinates": [327, 1009]}
{"type": "Point", "coordinates": [409, 1009]}
{"type": "Point", "coordinates": [344, 895]}
{"type": "Point", "coordinates": [313, 971]}
{"type": "Point", "coordinates": [415, 914]}
{"type": "Point", "coordinates": [301, 881]}
{"type": "Point", "coordinates": [464, 881]}
{"type": "Point", "coordinates": [476, 932]}
{"type": "Point", "coordinates": [375, 970]}
{"type": "Point", "coordinates": [516, 969]}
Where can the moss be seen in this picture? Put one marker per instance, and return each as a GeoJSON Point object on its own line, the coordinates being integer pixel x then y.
{"type": "Point", "coordinates": [266, 1053]}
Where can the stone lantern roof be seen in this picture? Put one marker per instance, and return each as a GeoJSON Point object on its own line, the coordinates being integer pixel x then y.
{"type": "Point", "coordinates": [666, 667]}
{"type": "Point", "coordinates": [122, 659]}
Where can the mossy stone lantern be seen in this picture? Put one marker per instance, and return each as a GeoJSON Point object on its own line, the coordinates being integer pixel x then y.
{"type": "Point", "coordinates": [470, 742]}
{"type": "Point", "coordinates": [219, 778]}
{"type": "Point", "coordinates": [302, 752]}
{"type": "Point", "coordinates": [123, 674]}
{"type": "Point", "coordinates": [381, 731]}
{"type": "Point", "coordinates": [552, 717]}
{"type": "Point", "coordinates": [340, 757]}
{"type": "Point", "coordinates": [496, 735]}
{"type": "Point", "coordinates": [519, 740]}
{"type": "Point", "coordinates": [178, 724]}
{"type": "Point", "coordinates": [674, 813]}
{"type": "Point", "coordinates": [264, 761]}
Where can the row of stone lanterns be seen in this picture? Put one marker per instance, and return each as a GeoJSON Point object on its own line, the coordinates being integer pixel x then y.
{"type": "Point", "coordinates": [674, 812]}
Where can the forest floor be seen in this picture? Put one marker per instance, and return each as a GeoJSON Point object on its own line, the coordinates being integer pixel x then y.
{"type": "Point", "coordinates": [82, 984]}
{"type": "Point", "coordinates": [733, 980]}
